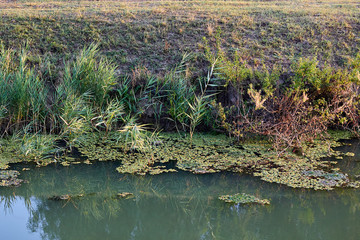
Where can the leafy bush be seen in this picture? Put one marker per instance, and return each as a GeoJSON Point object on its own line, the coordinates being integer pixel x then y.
{"type": "Point", "coordinates": [289, 108]}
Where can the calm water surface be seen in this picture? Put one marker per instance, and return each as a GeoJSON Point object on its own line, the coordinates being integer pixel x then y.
{"type": "Point", "coordinates": [172, 206]}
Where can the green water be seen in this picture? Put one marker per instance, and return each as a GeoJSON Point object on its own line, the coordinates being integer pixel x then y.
{"type": "Point", "coordinates": [172, 206]}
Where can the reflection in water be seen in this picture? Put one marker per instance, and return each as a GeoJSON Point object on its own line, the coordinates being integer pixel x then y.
{"type": "Point", "coordinates": [171, 206]}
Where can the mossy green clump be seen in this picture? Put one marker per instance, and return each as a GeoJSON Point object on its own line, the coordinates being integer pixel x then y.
{"type": "Point", "coordinates": [6, 174]}
{"type": "Point", "coordinates": [9, 178]}
{"type": "Point", "coordinates": [337, 135]}
{"type": "Point", "coordinates": [95, 146]}
{"type": "Point", "coordinates": [302, 179]}
{"type": "Point", "coordinates": [243, 198]}
{"type": "Point", "coordinates": [205, 154]}
{"type": "Point", "coordinates": [307, 171]}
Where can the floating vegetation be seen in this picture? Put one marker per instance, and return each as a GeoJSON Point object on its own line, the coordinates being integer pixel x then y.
{"type": "Point", "coordinates": [6, 174]}
{"type": "Point", "coordinates": [60, 197]}
{"type": "Point", "coordinates": [208, 153]}
{"type": "Point", "coordinates": [9, 178]}
{"type": "Point", "coordinates": [65, 197]}
{"type": "Point", "coordinates": [314, 179]}
{"type": "Point", "coordinates": [214, 153]}
{"type": "Point", "coordinates": [308, 171]}
{"type": "Point", "coordinates": [125, 195]}
{"type": "Point", "coordinates": [349, 154]}
{"type": "Point", "coordinates": [243, 198]}
{"type": "Point", "coordinates": [337, 135]}
{"type": "Point", "coordinates": [37, 148]}
{"type": "Point", "coordinates": [65, 163]}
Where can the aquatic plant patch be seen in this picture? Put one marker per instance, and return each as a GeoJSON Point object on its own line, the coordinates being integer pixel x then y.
{"type": "Point", "coordinates": [125, 195]}
{"type": "Point", "coordinates": [29, 148]}
{"type": "Point", "coordinates": [205, 154]}
{"type": "Point", "coordinates": [208, 153]}
{"type": "Point", "coordinates": [9, 178]}
{"type": "Point", "coordinates": [308, 171]}
{"type": "Point", "coordinates": [243, 198]}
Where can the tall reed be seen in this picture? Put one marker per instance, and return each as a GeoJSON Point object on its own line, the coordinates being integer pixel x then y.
{"type": "Point", "coordinates": [83, 96]}
{"type": "Point", "coordinates": [23, 95]}
{"type": "Point", "coordinates": [90, 73]}
{"type": "Point", "coordinates": [179, 92]}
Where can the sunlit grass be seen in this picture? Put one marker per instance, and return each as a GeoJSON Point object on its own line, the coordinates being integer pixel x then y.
{"type": "Point", "coordinates": [151, 33]}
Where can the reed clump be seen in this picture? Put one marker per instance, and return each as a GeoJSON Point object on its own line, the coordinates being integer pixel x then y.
{"type": "Point", "coordinates": [23, 97]}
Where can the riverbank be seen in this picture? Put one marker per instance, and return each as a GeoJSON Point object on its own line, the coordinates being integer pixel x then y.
{"type": "Point", "coordinates": [155, 34]}
{"type": "Point", "coordinates": [270, 71]}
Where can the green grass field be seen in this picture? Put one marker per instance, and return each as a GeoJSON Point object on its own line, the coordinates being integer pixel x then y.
{"type": "Point", "coordinates": [155, 34]}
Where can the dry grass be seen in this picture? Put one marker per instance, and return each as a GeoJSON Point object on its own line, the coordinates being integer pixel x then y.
{"type": "Point", "coordinates": [155, 34]}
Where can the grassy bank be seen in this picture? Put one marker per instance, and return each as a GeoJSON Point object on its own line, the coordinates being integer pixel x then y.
{"type": "Point", "coordinates": [233, 98]}
{"type": "Point", "coordinates": [155, 34]}
{"type": "Point", "coordinates": [78, 75]}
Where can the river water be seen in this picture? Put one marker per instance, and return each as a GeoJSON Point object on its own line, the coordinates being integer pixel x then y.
{"type": "Point", "coordinates": [172, 206]}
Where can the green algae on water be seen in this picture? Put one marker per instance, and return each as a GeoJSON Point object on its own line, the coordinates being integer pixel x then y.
{"type": "Point", "coordinates": [9, 178]}
{"type": "Point", "coordinates": [30, 148]}
{"type": "Point", "coordinates": [205, 154]}
{"type": "Point", "coordinates": [243, 198]}
{"type": "Point", "coordinates": [208, 153]}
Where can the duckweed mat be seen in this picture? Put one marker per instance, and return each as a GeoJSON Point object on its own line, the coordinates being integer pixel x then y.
{"type": "Point", "coordinates": [214, 153]}
{"type": "Point", "coordinates": [9, 178]}
{"type": "Point", "coordinates": [208, 153]}
{"type": "Point", "coordinates": [243, 198]}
